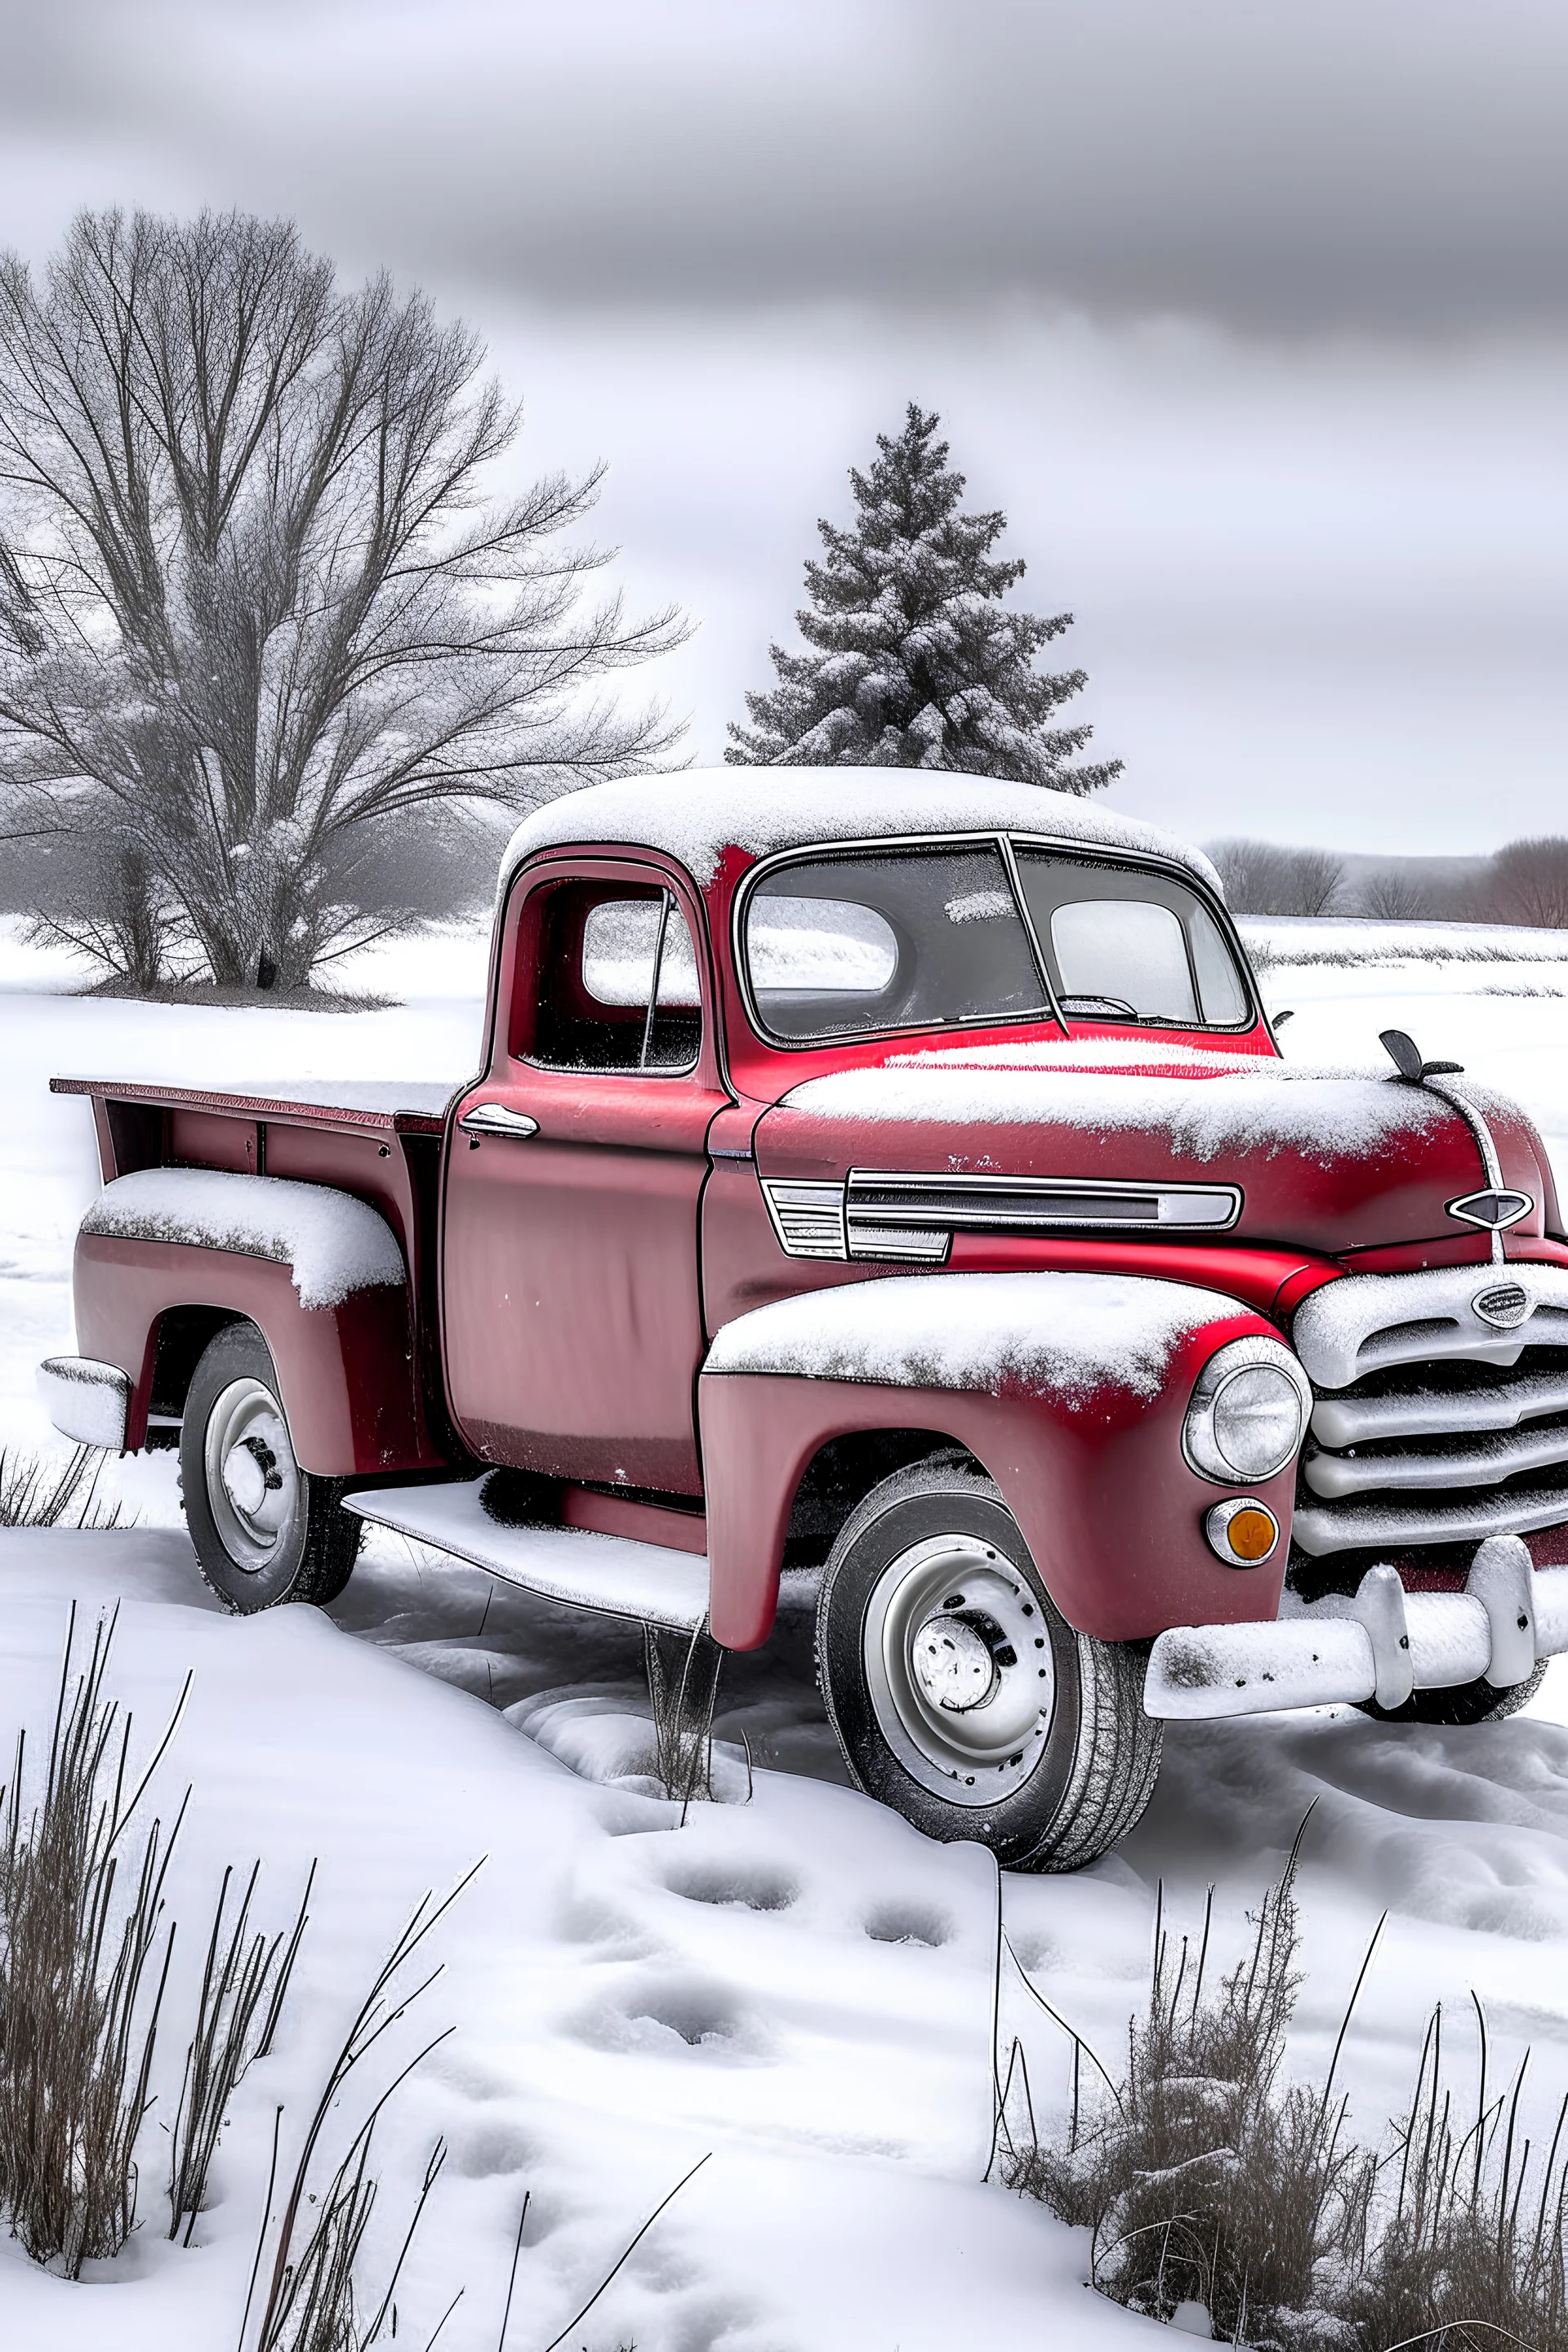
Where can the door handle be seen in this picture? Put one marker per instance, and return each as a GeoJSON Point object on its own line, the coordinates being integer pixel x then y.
{"type": "Point", "coordinates": [495, 1119]}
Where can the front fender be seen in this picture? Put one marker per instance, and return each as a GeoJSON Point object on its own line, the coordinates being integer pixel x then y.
{"type": "Point", "coordinates": [1071, 1389]}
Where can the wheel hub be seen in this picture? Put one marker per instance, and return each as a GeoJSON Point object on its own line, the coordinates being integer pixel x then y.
{"type": "Point", "coordinates": [252, 1477]}
{"type": "Point", "coordinates": [952, 1663]}
{"type": "Point", "coordinates": [958, 1665]}
{"type": "Point", "coordinates": [249, 1474]}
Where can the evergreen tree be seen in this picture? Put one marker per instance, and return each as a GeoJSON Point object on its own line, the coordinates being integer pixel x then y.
{"type": "Point", "coordinates": [914, 662]}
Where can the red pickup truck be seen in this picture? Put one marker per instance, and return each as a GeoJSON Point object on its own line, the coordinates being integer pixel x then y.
{"type": "Point", "coordinates": [896, 1172]}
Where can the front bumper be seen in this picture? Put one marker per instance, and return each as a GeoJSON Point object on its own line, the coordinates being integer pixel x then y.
{"type": "Point", "coordinates": [1380, 1643]}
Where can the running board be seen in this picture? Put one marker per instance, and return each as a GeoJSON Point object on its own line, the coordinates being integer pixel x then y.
{"type": "Point", "coordinates": [610, 1574]}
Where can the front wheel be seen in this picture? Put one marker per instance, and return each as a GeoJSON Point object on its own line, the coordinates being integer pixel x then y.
{"type": "Point", "coordinates": [263, 1529]}
{"type": "Point", "coordinates": [961, 1696]}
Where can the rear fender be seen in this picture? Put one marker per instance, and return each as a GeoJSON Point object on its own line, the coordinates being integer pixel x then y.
{"type": "Point", "coordinates": [346, 1371]}
{"type": "Point", "coordinates": [1092, 1467]}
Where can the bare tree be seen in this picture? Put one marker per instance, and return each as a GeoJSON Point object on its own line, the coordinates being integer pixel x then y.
{"type": "Point", "coordinates": [1527, 882]}
{"type": "Point", "coordinates": [254, 608]}
{"type": "Point", "coordinates": [1265, 878]}
{"type": "Point", "coordinates": [1394, 895]}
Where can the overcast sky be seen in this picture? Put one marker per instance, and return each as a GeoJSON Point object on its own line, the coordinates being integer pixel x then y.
{"type": "Point", "coordinates": [1254, 316]}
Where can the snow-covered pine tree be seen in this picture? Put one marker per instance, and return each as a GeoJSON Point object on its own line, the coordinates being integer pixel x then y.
{"type": "Point", "coordinates": [914, 660]}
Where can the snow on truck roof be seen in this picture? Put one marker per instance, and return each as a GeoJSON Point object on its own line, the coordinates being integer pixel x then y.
{"type": "Point", "coordinates": [696, 816]}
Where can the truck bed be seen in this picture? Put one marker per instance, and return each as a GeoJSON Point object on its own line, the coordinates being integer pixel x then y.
{"type": "Point", "coordinates": [380, 1140]}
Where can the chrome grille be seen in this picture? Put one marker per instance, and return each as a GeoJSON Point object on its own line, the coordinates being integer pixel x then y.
{"type": "Point", "coordinates": [1432, 1426]}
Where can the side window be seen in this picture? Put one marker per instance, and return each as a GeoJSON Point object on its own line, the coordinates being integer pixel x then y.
{"type": "Point", "coordinates": [611, 983]}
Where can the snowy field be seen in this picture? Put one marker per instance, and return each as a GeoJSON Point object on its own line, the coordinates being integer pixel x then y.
{"type": "Point", "coordinates": [794, 1985]}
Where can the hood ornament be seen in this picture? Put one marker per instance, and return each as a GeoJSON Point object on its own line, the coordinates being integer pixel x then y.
{"type": "Point", "coordinates": [1406, 1054]}
{"type": "Point", "coordinates": [1495, 1208]}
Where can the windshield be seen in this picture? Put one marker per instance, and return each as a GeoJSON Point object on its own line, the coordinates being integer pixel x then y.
{"type": "Point", "coordinates": [881, 939]}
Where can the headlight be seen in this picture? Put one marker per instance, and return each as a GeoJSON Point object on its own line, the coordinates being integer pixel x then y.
{"type": "Point", "coordinates": [1247, 1413]}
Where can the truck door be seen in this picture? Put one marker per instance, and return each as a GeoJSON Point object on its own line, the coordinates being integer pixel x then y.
{"type": "Point", "coordinates": [571, 1305]}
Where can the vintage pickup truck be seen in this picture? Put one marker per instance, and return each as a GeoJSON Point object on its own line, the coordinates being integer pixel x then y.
{"type": "Point", "coordinates": [899, 1172]}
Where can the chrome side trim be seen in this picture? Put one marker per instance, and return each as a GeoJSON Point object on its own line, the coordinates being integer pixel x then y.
{"type": "Point", "coordinates": [808, 1219]}
{"type": "Point", "coordinates": [990, 1203]}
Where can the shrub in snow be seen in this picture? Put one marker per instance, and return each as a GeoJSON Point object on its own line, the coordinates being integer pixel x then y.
{"type": "Point", "coordinates": [1203, 2179]}
{"type": "Point", "coordinates": [1212, 2189]}
{"type": "Point", "coordinates": [1469, 2251]}
{"type": "Point", "coordinates": [913, 660]}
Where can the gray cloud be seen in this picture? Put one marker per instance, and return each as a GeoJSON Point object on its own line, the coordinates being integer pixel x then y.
{"type": "Point", "coordinates": [1398, 169]}
{"type": "Point", "coordinates": [1252, 316]}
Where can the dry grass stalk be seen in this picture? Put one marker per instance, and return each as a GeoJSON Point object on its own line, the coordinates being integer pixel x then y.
{"type": "Point", "coordinates": [683, 1691]}
{"type": "Point", "coordinates": [33, 1493]}
{"type": "Point", "coordinates": [1202, 2180]}
{"type": "Point", "coordinates": [1466, 2253]}
{"type": "Point", "coordinates": [245, 1981]}
{"type": "Point", "coordinates": [312, 2305]}
{"type": "Point", "coordinates": [77, 2035]}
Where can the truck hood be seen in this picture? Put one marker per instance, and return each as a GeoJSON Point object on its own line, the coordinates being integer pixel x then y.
{"type": "Point", "coordinates": [1326, 1162]}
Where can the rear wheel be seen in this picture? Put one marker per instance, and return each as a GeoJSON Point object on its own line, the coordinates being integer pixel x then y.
{"type": "Point", "coordinates": [263, 1530]}
{"type": "Point", "coordinates": [961, 1696]}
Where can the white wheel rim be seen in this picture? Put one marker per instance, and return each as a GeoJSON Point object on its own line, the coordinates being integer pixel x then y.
{"type": "Point", "coordinates": [958, 1662]}
{"type": "Point", "coordinates": [252, 1477]}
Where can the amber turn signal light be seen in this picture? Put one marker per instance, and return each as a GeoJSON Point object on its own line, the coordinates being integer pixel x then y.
{"type": "Point", "coordinates": [1241, 1532]}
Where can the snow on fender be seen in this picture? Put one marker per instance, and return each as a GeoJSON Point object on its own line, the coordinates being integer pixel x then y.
{"type": "Point", "coordinates": [1074, 1335]}
{"type": "Point", "coordinates": [332, 1244]}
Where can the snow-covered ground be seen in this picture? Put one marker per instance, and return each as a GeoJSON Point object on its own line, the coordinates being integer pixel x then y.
{"type": "Point", "coordinates": [795, 1985]}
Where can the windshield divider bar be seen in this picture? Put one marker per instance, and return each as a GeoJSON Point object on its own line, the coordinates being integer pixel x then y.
{"type": "Point", "coordinates": [1016, 883]}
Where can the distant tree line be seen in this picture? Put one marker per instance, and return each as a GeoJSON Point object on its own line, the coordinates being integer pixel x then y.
{"type": "Point", "coordinates": [1525, 883]}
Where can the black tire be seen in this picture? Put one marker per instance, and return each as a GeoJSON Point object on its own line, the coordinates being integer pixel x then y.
{"type": "Point", "coordinates": [1054, 1785]}
{"type": "Point", "coordinates": [1464, 1703]}
{"type": "Point", "coordinates": [263, 1530]}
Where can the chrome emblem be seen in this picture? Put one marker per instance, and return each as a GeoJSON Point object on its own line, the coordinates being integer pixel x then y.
{"type": "Point", "coordinates": [1494, 1208]}
{"type": "Point", "coordinates": [1504, 1306]}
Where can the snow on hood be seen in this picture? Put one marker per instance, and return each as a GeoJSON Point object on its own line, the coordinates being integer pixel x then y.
{"type": "Point", "coordinates": [1072, 1334]}
{"type": "Point", "coordinates": [696, 816]}
{"type": "Point", "coordinates": [1265, 1107]}
{"type": "Point", "coordinates": [333, 1243]}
